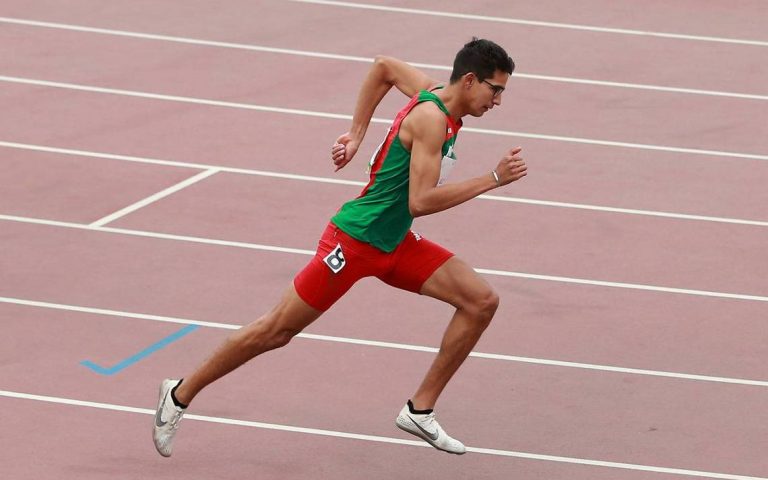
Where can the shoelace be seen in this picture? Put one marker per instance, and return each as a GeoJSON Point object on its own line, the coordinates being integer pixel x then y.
{"type": "Point", "coordinates": [429, 422]}
{"type": "Point", "coordinates": [175, 418]}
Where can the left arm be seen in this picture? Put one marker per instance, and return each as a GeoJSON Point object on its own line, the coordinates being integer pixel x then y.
{"type": "Point", "coordinates": [386, 72]}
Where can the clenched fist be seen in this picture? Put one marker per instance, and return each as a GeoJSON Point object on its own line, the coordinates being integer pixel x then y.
{"type": "Point", "coordinates": [343, 150]}
{"type": "Point", "coordinates": [512, 167]}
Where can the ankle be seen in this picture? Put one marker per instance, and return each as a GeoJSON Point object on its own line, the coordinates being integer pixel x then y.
{"type": "Point", "coordinates": [419, 409]}
{"type": "Point", "coordinates": [178, 397]}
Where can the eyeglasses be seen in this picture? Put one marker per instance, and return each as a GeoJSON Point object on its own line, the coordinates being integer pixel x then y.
{"type": "Point", "coordinates": [497, 89]}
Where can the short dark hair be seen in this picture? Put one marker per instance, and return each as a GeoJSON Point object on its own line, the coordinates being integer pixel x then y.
{"type": "Point", "coordinates": [481, 57]}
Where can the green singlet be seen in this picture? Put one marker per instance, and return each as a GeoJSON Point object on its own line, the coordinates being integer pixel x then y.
{"type": "Point", "coordinates": [380, 215]}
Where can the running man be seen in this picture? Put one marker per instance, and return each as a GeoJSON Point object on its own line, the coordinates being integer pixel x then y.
{"type": "Point", "coordinates": [370, 235]}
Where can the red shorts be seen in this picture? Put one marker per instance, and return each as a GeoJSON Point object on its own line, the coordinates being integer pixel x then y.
{"type": "Point", "coordinates": [341, 260]}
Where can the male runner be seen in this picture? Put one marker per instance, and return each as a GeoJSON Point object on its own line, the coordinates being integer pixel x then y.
{"type": "Point", "coordinates": [370, 235]}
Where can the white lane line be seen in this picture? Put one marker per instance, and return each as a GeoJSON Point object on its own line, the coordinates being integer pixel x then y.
{"type": "Point", "coordinates": [503, 273]}
{"type": "Point", "coordinates": [154, 198]}
{"type": "Point", "coordinates": [376, 438]}
{"type": "Point", "coordinates": [640, 86]}
{"type": "Point", "coordinates": [173, 163]}
{"type": "Point", "coordinates": [157, 235]}
{"type": "Point", "coordinates": [392, 345]}
{"type": "Point", "coordinates": [627, 211]}
{"type": "Point", "coordinates": [632, 286]}
{"type": "Point", "coordinates": [610, 143]}
{"type": "Point", "coordinates": [337, 116]}
{"type": "Point", "coordinates": [290, 176]}
{"type": "Point", "coordinates": [352, 58]}
{"type": "Point", "coordinates": [176, 98]}
{"type": "Point", "coordinates": [535, 23]}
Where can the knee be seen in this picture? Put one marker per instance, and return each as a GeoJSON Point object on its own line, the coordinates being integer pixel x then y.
{"type": "Point", "coordinates": [280, 338]}
{"type": "Point", "coordinates": [483, 306]}
{"type": "Point", "coordinates": [266, 334]}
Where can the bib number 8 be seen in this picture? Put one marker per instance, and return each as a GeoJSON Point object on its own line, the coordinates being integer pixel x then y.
{"type": "Point", "coordinates": [335, 260]}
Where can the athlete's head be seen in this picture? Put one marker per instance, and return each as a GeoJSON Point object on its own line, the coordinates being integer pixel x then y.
{"type": "Point", "coordinates": [482, 67]}
{"type": "Point", "coordinates": [483, 58]}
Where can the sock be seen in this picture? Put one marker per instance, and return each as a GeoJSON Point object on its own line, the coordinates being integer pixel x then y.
{"type": "Point", "coordinates": [418, 412]}
{"type": "Point", "coordinates": [173, 396]}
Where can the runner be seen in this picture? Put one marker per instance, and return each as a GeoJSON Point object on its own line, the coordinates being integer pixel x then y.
{"type": "Point", "coordinates": [371, 236]}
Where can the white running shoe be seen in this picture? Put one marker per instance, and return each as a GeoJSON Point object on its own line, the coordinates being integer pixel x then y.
{"type": "Point", "coordinates": [167, 419]}
{"type": "Point", "coordinates": [427, 428]}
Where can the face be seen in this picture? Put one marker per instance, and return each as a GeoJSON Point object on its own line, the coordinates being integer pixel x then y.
{"type": "Point", "coordinates": [486, 94]}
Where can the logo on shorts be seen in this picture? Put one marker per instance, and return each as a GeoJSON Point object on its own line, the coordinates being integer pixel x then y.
{"type": "Point", "coordinates": [335, 260]}
{"type": "Point", "coordinates": [417, 236]}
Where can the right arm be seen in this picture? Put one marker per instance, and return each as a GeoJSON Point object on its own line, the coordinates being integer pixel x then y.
{"type": "Point", "coordinates": [386, 72]}
{"type": "Point", "coordinates": [424, 129]}
{"type": "Point", "coordinates": [426, 198]}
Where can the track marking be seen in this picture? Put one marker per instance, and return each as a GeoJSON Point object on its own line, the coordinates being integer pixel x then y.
{"type": "Point", "coordinates": [534, 23]}
{"type": "Point", "coordinates": [377, 438]}
{"type": "Point", "coordinates": [627, 211]}
{"type": "Point", "coordinates": [272, 248]}
{"type": "Point", "coordinates": [352, 58]}
{"type": "Point", "coordinates": [173, 163]}
{"type": "Point", "coordinates": [264, 173]}
{"type": "Point", "coordinates": [391, 345]}
{"type": "Point", "coordinates": [337, 116]}
{"type": "Point", "coordinates": [158, 235]}
{"type": "Point", "coordinates": [141, 355]}
{"type": "Point", "coordinates": [632, 286]}
{"type": "Point", "coordinates": [153, 198]}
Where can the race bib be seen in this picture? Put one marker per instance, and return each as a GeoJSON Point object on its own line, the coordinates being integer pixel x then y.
{"type": "Point", "coordinates": [376, 153]}
{"type": "Point", "coordinates": [335, 260]}
{"type": "Point", "coordinates": [446, 165]}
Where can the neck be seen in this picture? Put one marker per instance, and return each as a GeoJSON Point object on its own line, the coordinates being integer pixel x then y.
{"type": "Point", "coordinates": [452, 101]}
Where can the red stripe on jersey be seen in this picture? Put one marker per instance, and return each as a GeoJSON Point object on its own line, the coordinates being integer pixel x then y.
{"type": "Point", "coordinates": [453, 128]}
{"type": "Point", "coordinates": [384, 149]}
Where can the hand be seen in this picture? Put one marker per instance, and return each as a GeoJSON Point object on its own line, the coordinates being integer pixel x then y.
{"type": "Point", "coordinates": [343, 150]}
{"type": "Point", "coordinates": [512, 167]}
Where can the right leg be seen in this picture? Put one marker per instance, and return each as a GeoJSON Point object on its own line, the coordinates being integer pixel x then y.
{"type": "Point", "coordinates": [329, 274]}
{"type": "Point", "coordinates": [273, 330]}
{"type": "Point", "coordinates": [313, 291]}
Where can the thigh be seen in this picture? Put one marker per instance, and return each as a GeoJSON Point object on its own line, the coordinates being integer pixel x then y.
{"type": "Point", "coordinates": [293, 313]}
{"type": "Point", "coordinates": [339, 262]}
{"type": "Point", "coordinates": [413, 262]}
{"type": "Point", "coordinates": [456, 283]}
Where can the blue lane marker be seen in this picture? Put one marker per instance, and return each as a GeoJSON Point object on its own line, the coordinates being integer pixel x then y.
{"type": "Point", "coordinates": [135, 358]}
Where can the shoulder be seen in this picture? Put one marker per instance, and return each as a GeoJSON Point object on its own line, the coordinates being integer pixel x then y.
{"type": "Point", "coordinates": [425, 124]}
{"type": "Point", "coordinates": [407, 78]}
{"type": "Point", "coordinates": [426, 117]}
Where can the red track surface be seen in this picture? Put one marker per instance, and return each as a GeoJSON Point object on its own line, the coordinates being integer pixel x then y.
{"type": "Point", "coordinates": [553, 390]}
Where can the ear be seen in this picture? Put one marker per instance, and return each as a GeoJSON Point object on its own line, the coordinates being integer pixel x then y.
{"type": "Point", "coordinates": [469, 79]}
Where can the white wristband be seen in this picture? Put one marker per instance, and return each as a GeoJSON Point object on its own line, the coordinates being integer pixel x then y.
{"type": "Point", "coordinates": [496, 177]}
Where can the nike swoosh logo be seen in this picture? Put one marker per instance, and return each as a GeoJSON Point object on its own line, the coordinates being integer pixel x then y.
{"type": "Point", "coordinates": [159, 415]}
{"type": "Point", "coordinates": [432, 436]}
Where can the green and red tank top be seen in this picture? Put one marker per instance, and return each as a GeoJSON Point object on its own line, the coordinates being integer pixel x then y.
{"type": "Point", "coordinates": [380, 215]}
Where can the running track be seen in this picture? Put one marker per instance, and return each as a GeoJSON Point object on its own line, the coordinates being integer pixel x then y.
{"type": "Point", "coordinates": [164, 164]}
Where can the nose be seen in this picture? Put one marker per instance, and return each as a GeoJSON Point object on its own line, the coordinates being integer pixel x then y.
{"type": "Point", "coordinates": [497, 99]}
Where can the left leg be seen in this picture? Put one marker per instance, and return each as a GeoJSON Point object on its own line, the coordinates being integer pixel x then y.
{"type": "Point", "coordinates": [429, 269]}
{"type": "Point", "coordinates": [458, 284]}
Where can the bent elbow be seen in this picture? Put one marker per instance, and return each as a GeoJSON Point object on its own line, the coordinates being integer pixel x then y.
{"type": "Point", "coordinates": [381, 63]}
{"type": "Point", "coordinates": [417, 209]}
